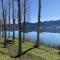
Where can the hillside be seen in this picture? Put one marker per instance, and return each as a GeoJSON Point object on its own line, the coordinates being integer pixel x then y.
{"type": "Point", "coordinates": [46, 26]}
{"type": "Point", "coordinates": [51, 23]}
{"type": "Point", "coordinates": [41, 53]}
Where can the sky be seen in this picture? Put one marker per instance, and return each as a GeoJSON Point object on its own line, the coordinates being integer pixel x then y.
{"type": "Point", "coordinates": [50, 10]}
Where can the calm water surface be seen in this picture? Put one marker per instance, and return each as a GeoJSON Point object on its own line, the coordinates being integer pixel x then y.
{"type": "Point", "coordinates": [45, 37]}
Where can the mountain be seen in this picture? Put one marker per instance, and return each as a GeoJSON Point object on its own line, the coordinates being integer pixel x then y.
{"type": "Point", "coordinates": [46, 26]}
{"type": "Point", "coordinates": [29, 27]}
{"type": "Point", "coordinates": [51, 23]}
{"type": "Point", "coordinates": [50, 26]}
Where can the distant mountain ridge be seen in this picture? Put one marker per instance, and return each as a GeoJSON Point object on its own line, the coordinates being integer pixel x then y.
{"type": "Point", "coordinates": [50, 23]}
{"type": "Point", "coordinates": [44, 26]}
{"type": "Point", "coordinates": [29, 26]}
{"type": "Point", "coordinates": [50, 26]}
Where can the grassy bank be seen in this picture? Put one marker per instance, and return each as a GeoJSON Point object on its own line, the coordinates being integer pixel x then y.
{"type": "Point", "coordinates": [29, 53]}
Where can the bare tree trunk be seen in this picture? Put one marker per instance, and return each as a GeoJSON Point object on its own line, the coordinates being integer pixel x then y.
{"type": "Point", "coordinates": [13, 20]}
{"type": "Point", "coordinates": [24, 23]}
{"type": "Point", "coordinates": [13, 30]}
{"type": "Point", "coordinates": [5, 29]}
{"type": "Point", "coordinates": [2, 29]}
{"type": "Point", "coordinates": [4, 24]}
{"type": "Point", "coordinates": [2, 18]}
{"type": "Point", "coordinates": [19, 28]}
{"type": "Point", "coordinates": [9, 18]}
{"type": "Point", "coordinates": [38, 24]}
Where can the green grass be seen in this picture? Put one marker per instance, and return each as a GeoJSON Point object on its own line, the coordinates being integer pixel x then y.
{"type": "Point", "coordinates": [41, 53]}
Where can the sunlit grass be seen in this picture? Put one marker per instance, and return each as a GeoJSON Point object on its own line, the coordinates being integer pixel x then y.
{"type": "Point", "coordinates": [41, 53]}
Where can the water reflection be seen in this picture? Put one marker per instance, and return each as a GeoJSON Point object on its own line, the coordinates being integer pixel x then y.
{"type": "Point", "coordinates": [51, 39]}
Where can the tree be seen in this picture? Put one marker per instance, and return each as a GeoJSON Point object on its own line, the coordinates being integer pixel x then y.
{"type": "Point", "coordinates": [4, 18]}
{"type": "Point", "coordinates": [19, 28]}
{"type": "Point", "coordinates": [13, 20]}
{"type": "Point", "coordinates": [26, 16]}
{"type": "Point", "coordinates": [24, 23]}
{"type": "Point", "coordinates": [0, 29]}
{"type": "Point", "coordinates": [38, 24]}
{"type": "Point", "coordinates": [9, 16]}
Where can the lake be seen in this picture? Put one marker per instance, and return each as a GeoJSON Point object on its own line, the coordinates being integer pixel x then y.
{"type": "Point", "coordinates": [46, 38]}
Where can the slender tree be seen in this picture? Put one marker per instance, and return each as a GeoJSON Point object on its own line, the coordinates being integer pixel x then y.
{"type": "Point", "coordinates": [13, 20]}
{"type": "Point", "coordinates": [19, 28]}
{"type": "Point", "coordinates": [38, 24]}
{"type": "Point", "coordinates": [9, 16]}
{"type": "Point", "coordinates": [4, 18]}
{"type": "Point", "coordinates": [26, 16]}
{"type": "Point", "coordinates": [0, 29]}
{"type": "Point", "coordinates": [13, 30]}
{"type": "Point", "coordinates": [24, 23]}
